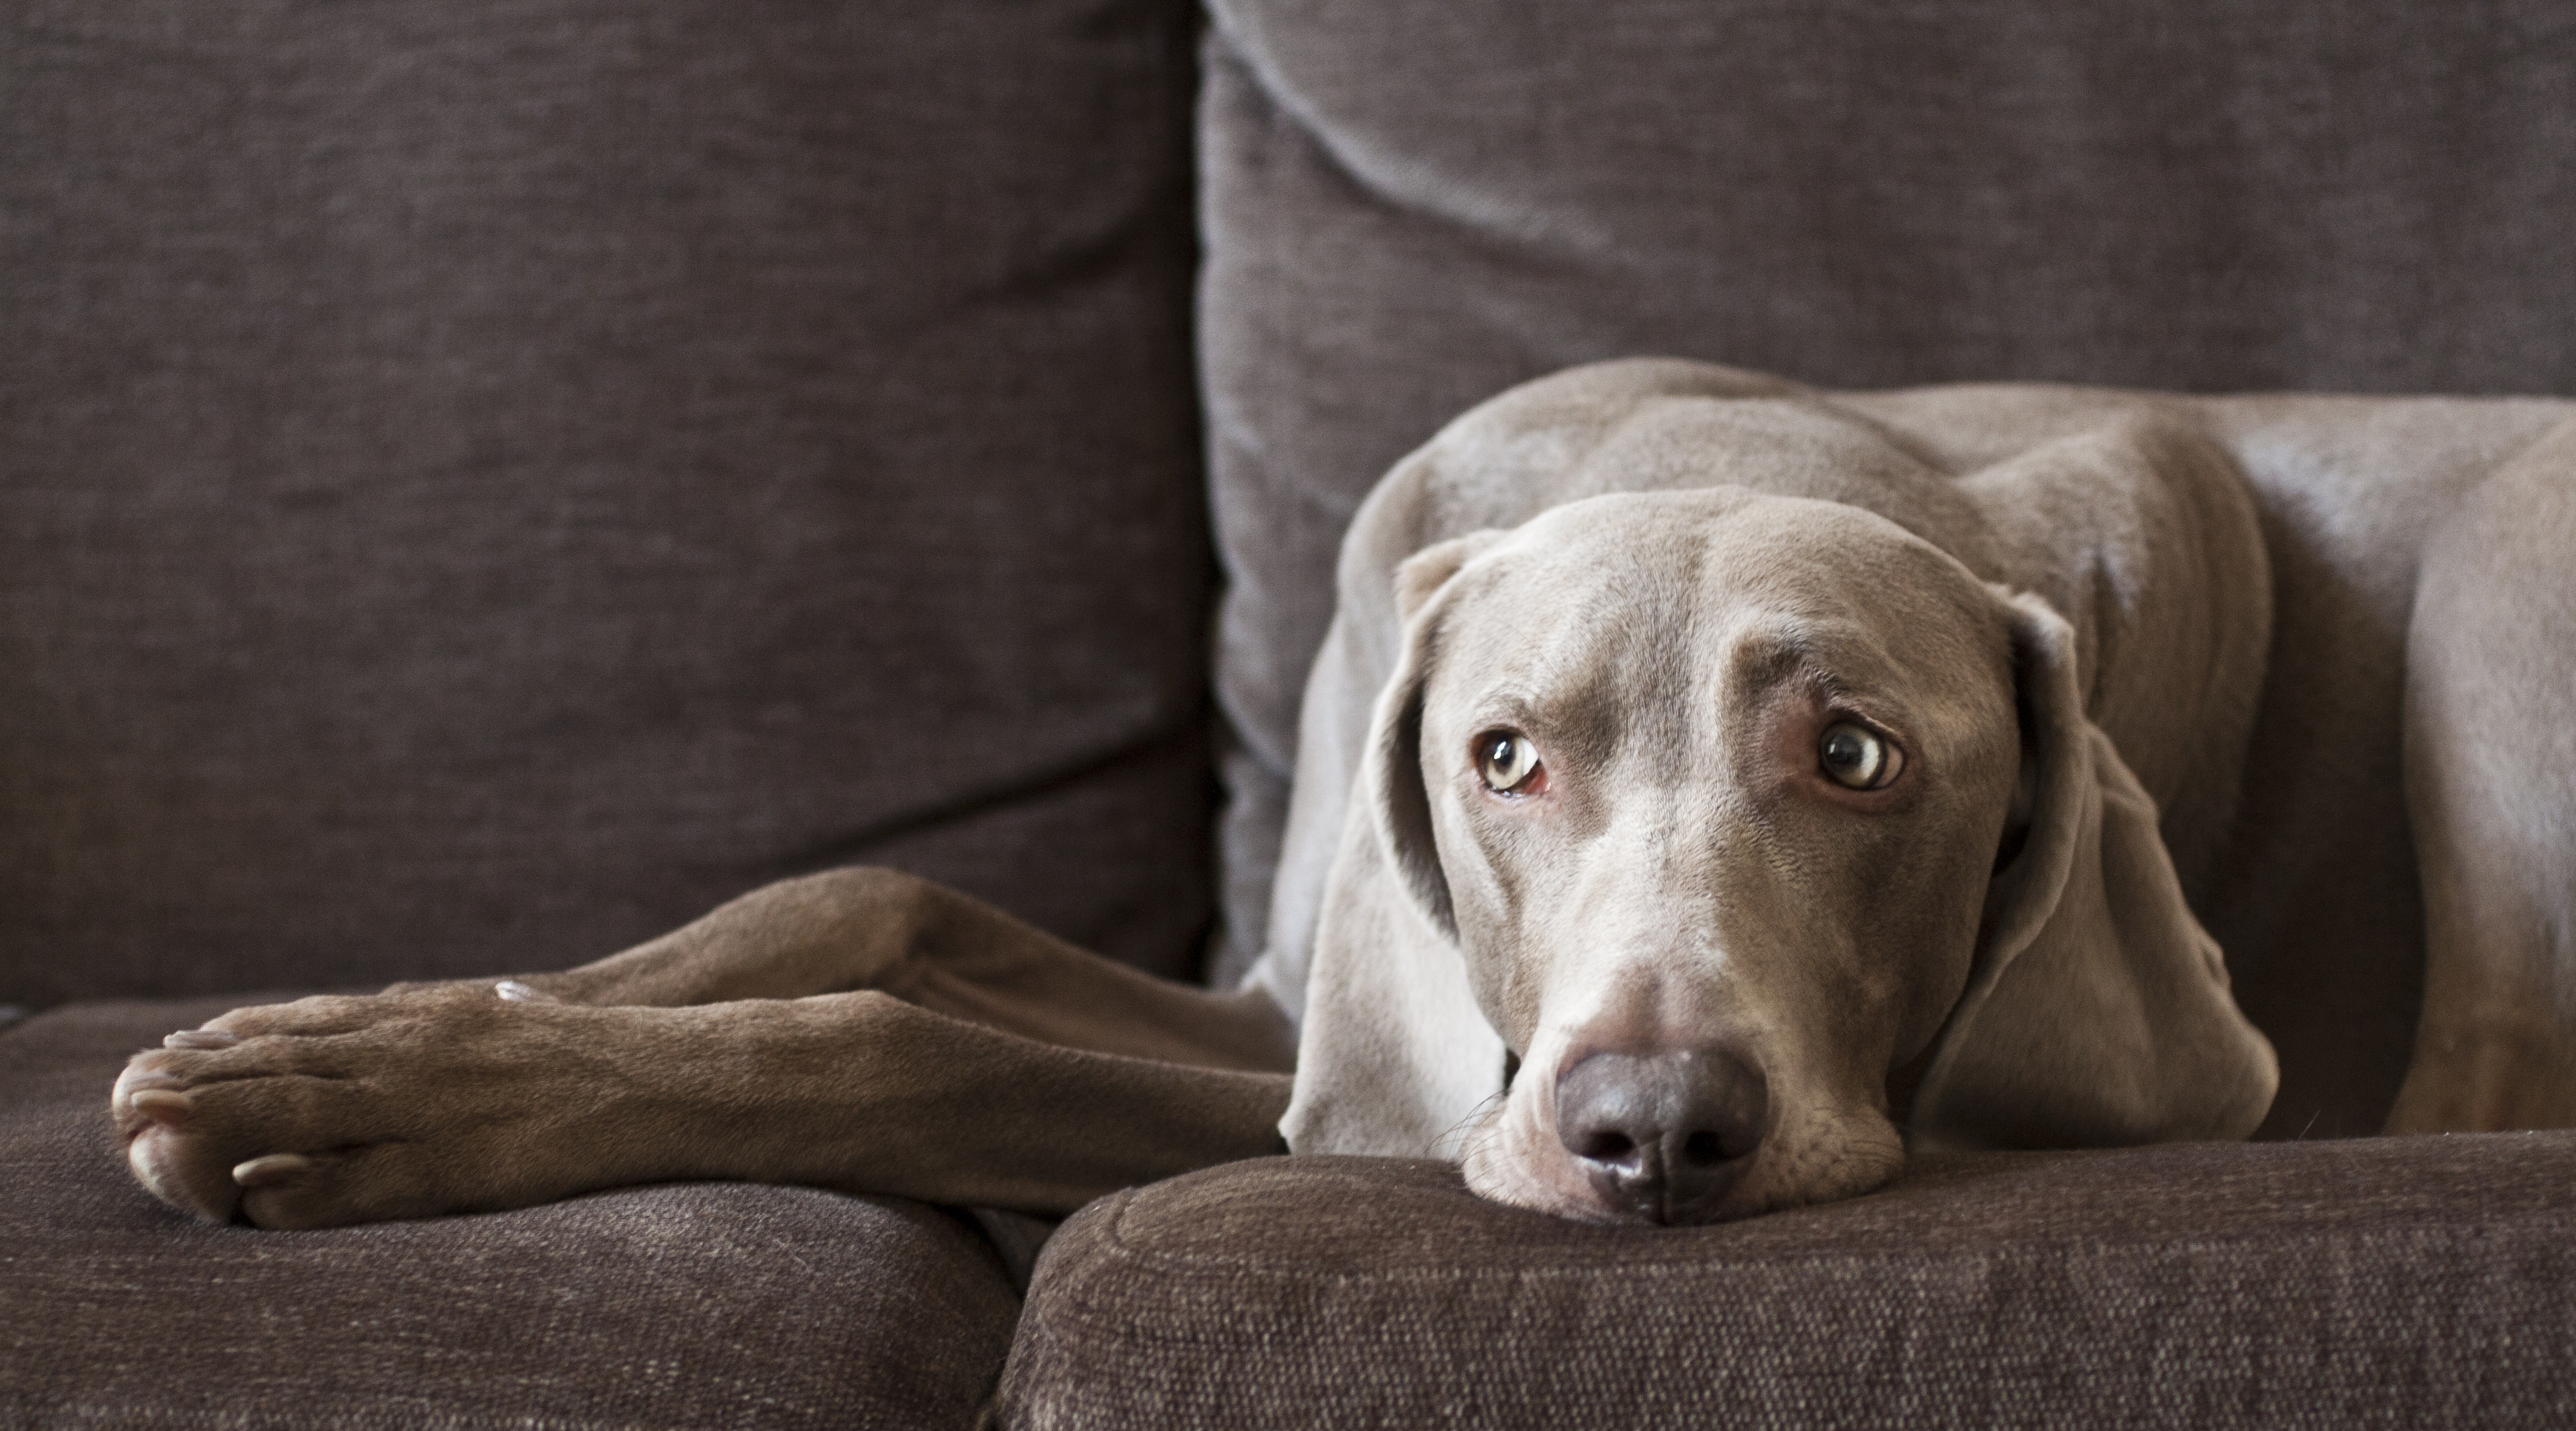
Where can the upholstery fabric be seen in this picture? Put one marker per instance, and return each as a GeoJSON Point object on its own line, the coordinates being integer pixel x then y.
{"type": "Point", "coordinates": [1411, 206]}
{"type": "Point", "coordinates": [2395, 1282]}
{"type": "Point", "coordinates": [693, 1305]}
{"type": "Point", "coordinates": [482, 483]}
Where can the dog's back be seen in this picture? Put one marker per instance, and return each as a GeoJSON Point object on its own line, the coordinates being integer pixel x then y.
{"type": "Point", "coordinates": [2314, 891]}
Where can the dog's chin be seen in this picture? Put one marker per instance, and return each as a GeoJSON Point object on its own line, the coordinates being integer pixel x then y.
{"type": "Point", "coordinates": [1816, 1160]}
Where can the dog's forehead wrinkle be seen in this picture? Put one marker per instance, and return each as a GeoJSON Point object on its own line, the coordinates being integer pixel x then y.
{"type": "Point", "coordinates": [1901, 676]}
{"type": "Point", "coordinates": [1590, 593]}
{"type": "Point", "coordinates": [1579, 661]}
{"type": "Point", "coordinates": [1635, 588]}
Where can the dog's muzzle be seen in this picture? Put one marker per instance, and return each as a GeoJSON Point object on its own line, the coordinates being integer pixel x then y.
{"type": "Point", "coordinates": [1662, 1136]}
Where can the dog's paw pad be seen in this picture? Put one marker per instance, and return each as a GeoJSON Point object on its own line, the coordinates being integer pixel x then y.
{"type": "Point", "coordinates": [162, 1162]}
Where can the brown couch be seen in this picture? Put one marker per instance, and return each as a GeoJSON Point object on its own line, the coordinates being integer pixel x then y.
{"type": "Point", "coordinates": [481, 483]}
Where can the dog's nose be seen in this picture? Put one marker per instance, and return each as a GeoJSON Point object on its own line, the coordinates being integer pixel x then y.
{"type": "Point", "coordinates": [1662, 1135]}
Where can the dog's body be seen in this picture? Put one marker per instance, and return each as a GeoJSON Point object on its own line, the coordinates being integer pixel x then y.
{"type": "Point", "coordinates": [1757, 772]}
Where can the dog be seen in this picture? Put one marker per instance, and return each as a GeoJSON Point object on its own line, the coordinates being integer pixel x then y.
{"type": "Point", "coordinates": [1709, 789]}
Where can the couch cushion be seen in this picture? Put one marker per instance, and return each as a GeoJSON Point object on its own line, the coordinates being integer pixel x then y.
{"type": "Point", "coordinates": [695, 1305]}
{"type": "Point", "coordinates": [482, 483]}
{"type": "Point", "coordinates": [2419, 1281]}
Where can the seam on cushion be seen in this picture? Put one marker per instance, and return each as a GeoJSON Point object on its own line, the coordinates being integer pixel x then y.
{"type": "Point", "coordinates": [1129, 1248]}
{"type": "Point", "coordinates": [1148, 123]}
{"type": "Point", "coordinates": [147, 1414]}
{"type": "Point", "coordinates": [1174, 734]}
{"type": "Point", "coordinates": [1387, 180]}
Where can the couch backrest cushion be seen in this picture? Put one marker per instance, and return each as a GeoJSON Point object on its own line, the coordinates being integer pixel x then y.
{"type": "Point", "coordinates": [1412, 205]}
{"type": "Point", "coordinates": [481, 483]}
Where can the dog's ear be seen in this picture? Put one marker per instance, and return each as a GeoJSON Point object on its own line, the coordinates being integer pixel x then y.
{"type": "Point", "coordinates": [2097, 1011]}
{"type": "Point", "coordinates": [1391, 772]}
{"type": "Point", "coordinates": [1394, 1055]}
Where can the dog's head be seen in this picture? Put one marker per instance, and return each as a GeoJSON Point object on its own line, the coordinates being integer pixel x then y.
{"type": "Point", "coordinates": [1762, 828]}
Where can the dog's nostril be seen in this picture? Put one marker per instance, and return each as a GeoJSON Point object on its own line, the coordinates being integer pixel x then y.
{"type": "Point", "coordinates": [1702, 1149]}
{"type": "Point", "coordinates": [1608, 1147]}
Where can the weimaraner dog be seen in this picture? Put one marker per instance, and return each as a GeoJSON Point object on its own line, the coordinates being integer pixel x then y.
{"type": "Point", "coordinates": [1709, 789]}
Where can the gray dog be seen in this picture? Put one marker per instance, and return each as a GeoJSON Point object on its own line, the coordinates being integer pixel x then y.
{"type": "Point", "coordinates": [1709, 789]}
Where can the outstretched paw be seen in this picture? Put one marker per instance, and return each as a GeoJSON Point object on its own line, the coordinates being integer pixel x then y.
{"type": "Point", "coordinates": [329, 1111]}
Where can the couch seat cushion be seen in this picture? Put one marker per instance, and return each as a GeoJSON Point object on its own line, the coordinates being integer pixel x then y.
{"type": "Point", "coordinates": [2416, 1281]}
{"type": "Point", "coordinates": [693, 1305]}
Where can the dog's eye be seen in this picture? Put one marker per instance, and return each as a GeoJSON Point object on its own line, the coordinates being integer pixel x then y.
{"type": "Point", "coordinates": [1857, 757]}
{"type": "Point", "coordinates": [1508, 763]}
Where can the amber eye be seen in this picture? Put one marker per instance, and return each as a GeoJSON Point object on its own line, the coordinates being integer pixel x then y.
{"type": "Point", "coordinates": [1857, 757]}
{"type": "Point", "coordinates": [1508, 763]}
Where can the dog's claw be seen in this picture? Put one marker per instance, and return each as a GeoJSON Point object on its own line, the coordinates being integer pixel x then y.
{"type": "Point", "coordinates": [162, 1106]}
{"type": "Point", "coordinates": [201, 1039]}
{"type": "Point", "coordinates": [136, 1081]}
{"type": "Point", "coordinates": [518, 993]}
{"type": "Point", "coordinates": [271, 1170]}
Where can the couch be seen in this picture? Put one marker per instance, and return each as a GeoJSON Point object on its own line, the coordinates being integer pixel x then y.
{"type": "Point", "coordinates": [480, 484]}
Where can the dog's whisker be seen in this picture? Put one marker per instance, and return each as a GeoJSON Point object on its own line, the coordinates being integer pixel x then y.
{"type": "Point", "coordinates": [1470, 1127]}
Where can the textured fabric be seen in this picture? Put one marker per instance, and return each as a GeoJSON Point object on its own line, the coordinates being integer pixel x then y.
{"type": "Point", "coordinates": [694, 1305]}
{"type": "Point", "coordinates": [1412, 205]}
{"type": "Point", "coordinates": [482, 483]}
{"type": "Point", "coordinates": [2396, 1282]}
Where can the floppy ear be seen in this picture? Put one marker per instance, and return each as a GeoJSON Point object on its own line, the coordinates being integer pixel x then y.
{"type": "Point", "coordinates": [2097, 1012]}
{"type": "Point", "coordinates": [1391, 772]}
{"type": "Point", "coordinates": [1394, 1056]}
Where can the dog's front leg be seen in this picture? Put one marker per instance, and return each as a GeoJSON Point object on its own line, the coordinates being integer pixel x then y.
{"type": "Point", "coordinates": [330, 1111]}
{"type": "Point", "coordinates": [976, 1059]}
{"type": "Point", "coordinates": [2491, 802]}
{"type": "Point", "coordinates": [844, 930]}
{"type": "Point", "coordinates": [928, 945]}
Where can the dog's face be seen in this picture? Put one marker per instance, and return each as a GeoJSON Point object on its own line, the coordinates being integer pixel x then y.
{"type": "Point", "coordinates": [1714, 785]}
